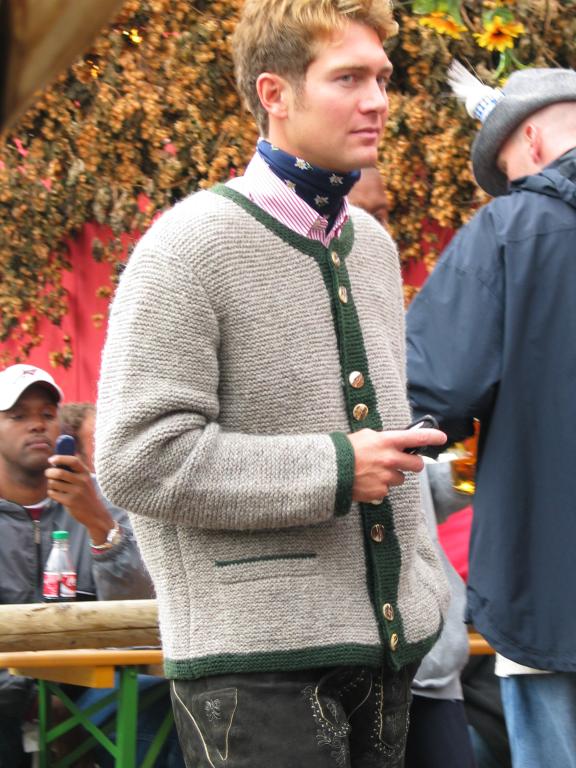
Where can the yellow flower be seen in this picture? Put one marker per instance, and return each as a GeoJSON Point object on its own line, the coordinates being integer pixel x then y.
{"type": "Point", "coordinates": [442, 23]}
{"type": "Point", "coordinates": [499, 34]}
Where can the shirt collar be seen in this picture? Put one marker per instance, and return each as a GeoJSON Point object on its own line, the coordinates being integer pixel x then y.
{"type": "Point", "coordinates": [269, 192]}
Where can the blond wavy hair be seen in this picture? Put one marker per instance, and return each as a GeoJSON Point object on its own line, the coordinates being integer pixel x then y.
{"type": "Point", "coordinates": [282, 36]}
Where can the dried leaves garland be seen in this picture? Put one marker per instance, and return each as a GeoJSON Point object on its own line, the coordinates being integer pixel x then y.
{"type": "Point", "coordinates": [151, 113]}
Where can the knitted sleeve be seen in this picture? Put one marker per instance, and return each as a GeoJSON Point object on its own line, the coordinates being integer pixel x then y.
{"type": "Point", "coordinates": [160, 450]}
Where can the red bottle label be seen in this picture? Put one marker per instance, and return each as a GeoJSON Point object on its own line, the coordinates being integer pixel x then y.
{"type": "Point", "coordinates": [68, 585]}
{"type": "Point", "coordinates": [59, 586]}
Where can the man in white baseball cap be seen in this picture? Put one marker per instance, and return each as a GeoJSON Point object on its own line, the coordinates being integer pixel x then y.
{"type": "Point", "coordinates": [41, 493]}
{"type": "Point", "coordinates": [491, 336]}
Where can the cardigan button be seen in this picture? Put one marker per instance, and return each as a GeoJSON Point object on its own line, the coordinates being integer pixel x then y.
{"type": "Point", "coordinates": [356, 380]}
{"type": "Point", "coordinates": [388, 612]}
{"type": "Point", "coordinates": [335, 259]}
{"type": "Point", "coordinates": [360, 411]}
{"type": "Point", "coordinates": [343, 294]}
{"type": "Point", "coordinates": [394, 640]}
{"type": "Point", "coordinates": [377, 533]}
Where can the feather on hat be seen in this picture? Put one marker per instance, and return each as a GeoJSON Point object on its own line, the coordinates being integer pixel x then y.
{"type": "Point", "coordinates": [480, 99]}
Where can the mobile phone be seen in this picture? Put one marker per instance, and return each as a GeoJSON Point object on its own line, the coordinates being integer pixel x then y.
{"type": "Point", "coordinates": [65, 446]}
{"type": "Point", "coordinates": [425, 422]}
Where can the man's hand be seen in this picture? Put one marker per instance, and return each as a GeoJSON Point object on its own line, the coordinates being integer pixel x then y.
{"type": "Point", "coordinates": [70, 484]}
{"type": "Point", "coordinates": [380, 461]}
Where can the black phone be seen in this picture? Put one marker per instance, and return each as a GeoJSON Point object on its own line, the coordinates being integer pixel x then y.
{"type": "Point", "coordinates": [425, 422]}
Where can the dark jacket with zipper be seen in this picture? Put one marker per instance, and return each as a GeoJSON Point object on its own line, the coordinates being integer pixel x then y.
{"type": "Point", "coordinates": [492, 335]}
{"type": "Point", "coordinates": [114, 574]}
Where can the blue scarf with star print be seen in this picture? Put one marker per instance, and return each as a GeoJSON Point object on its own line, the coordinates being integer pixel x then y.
{"type": "Point", "coordinates": [323, 190]}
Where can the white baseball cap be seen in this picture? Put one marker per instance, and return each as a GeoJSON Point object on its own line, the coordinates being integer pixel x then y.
{"type": "Point", "coordinates": [17, 378]}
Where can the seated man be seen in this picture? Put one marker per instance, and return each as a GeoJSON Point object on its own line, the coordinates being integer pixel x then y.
{"type": "Point", "coordinates": [41, 493]}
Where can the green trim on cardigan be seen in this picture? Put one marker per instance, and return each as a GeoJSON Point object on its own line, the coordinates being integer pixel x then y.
{"type": "Point", "coordinates": [312, 248]}
{"type": "Point", "coordinates": [305, 658]}
{"type": "Point", "coordinates": [383, 558]}
{"type": "Point", "coordinates": [345, 466]}
{"type": "Point", "coordinates": [266, 558]}
{"type": "Point", "coordinates": [272, 661]}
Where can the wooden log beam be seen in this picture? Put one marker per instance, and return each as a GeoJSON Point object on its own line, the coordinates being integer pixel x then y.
{"type": "Point", "coordinates": [100, 624]}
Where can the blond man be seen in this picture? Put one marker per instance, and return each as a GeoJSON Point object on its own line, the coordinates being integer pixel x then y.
{"type": "Point", "coordinates": [252, 414]}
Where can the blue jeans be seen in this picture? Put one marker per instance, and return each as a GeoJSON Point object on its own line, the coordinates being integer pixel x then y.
{"type": "Point", "coordinates": [540, 713]}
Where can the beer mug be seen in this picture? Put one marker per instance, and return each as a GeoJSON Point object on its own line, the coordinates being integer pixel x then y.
{"type": "Point", "coordinates": [463, 465]}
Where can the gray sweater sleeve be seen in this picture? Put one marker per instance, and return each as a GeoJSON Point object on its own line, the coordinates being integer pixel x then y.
{"type": "Point", "coordinates": [160, 450]}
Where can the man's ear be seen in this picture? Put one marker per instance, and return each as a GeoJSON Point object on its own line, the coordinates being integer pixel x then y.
{"type": "Point", "coordinates": [273, 92]}
{"type": "Point", "coordinates": [533, 136]}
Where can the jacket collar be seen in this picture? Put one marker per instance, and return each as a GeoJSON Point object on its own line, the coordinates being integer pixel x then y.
{"type": "Point", "coordinates": [556, 180]}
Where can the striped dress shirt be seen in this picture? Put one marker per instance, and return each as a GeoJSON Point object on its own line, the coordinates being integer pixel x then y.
{"type": "Point", "coordinates": [261, 185]}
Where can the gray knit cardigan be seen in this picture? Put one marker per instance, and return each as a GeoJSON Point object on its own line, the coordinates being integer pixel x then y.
{"type": "Point", "coordinates": [229, 381]}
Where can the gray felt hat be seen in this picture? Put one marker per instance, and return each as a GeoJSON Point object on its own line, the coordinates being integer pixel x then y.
{"type": "Point", "coordinates": [526, 92]}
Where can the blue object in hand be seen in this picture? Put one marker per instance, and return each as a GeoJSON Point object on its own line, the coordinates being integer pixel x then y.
{"type": "Point", "coordinates": [65, 446]}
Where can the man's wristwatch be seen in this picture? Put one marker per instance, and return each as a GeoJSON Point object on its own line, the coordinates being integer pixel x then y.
{"type": "Point", "coordinates": [113, 537]}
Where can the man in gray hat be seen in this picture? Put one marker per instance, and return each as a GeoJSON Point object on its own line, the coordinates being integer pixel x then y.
{"type": "Point", "coordinates": [490, 336]}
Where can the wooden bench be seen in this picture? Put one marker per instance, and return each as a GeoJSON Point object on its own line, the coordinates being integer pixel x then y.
{"type": "Point", "coordinates": [95, 669]}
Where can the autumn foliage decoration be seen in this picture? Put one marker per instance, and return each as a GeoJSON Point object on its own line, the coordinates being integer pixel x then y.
{"type": "Point", "coordinates": [151, 113]}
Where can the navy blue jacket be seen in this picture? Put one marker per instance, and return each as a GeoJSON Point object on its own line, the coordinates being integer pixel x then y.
{"type": "Point", "coordinates": [492, 335]}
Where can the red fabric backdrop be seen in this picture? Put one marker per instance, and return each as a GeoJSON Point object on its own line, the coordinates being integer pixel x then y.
{"type": "Point", "coordinates": [85, 322]}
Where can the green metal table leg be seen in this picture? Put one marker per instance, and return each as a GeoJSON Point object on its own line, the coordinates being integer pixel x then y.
{"type": "Point", "coordinates": [95, 735]}
{"type": "Point", "coordinates": [127, 718]}
{"type": "Point", "coordinates": [44, 722]}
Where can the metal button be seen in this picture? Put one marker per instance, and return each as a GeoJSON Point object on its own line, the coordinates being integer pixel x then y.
{"type": "Point", "coordinates": [388, 612]}
{"type": "Point", "coordinates": [356, 380]}
{"type": "Point", "coordinates": [343, 294]}
{"type": "Point", "coordinates": [335, 259]}
{"type": "Point", "coordinates": [377, 535]}
{"type": "Point", "coordinates": [360, 411]}
{"type": "Point", "coordinates": [394, 641]}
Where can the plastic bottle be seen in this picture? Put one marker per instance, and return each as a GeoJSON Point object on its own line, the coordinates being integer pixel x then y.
{"type": "Point", "coordinates": [59, 574]}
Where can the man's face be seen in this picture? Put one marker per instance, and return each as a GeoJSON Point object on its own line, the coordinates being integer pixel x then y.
{"type": "Point", "coordinates": [28, 431]}
{"type": "Point", "coordinates": [336, 118]}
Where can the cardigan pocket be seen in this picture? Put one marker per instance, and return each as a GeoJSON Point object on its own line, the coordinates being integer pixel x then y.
{"type": "Point", "coordinates": [266, 567]}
